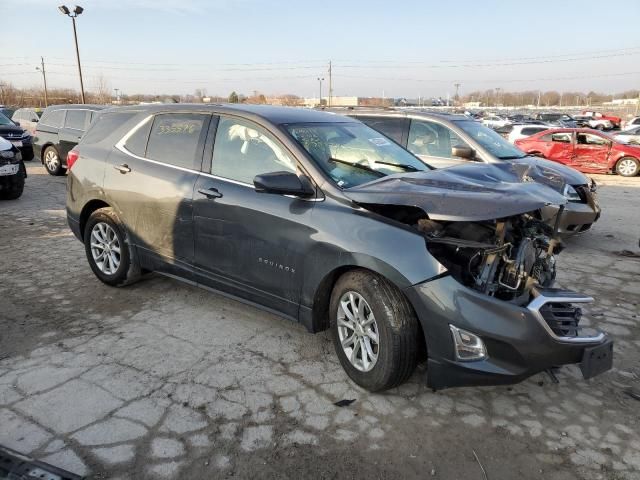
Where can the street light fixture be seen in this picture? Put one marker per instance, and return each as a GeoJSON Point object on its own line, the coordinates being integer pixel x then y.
{"type": "Point", "coordinates": [320, 79]}
{"type": "Point", "coordinates": [76, 11]}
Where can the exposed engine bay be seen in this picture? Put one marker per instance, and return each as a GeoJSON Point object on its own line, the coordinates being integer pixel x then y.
{"type": "Point", "coordinates": [503, 258]}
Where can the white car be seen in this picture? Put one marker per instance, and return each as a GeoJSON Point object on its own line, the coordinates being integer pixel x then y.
{"type": "Point", "coordinates": [631, 135]}
{"type": "Point", "coordinates": [633, 123]}
{"type": "Point", "coordinates": [526, 130]}
{"type": "Point", "coordinates": [493, 121]}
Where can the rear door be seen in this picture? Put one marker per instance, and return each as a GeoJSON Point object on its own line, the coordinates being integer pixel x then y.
{"type": "Point", "coordinates": [591, 152]}
{"type": "Point", "coordinates": [149, 179]}
{"type": "Point", "coordinates": [248, 243]}
{"type": "Point", "coordinates": [75, 124]}
{"type": "Point", "coordinates": [559, 147]}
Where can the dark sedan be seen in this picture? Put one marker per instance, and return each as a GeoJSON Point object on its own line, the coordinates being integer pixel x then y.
{"type": "Point", "coordinates": [333, 225]}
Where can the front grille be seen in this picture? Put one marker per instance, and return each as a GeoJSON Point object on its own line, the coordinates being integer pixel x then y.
{"type": "Point", "coordinates": [562, 318]}
{"type": "Point", "coordinates": [12, 136]}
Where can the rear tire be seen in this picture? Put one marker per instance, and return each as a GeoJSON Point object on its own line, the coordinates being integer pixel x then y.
{"type": "Point", "coordinates": [382, 313]}
{"type": "Point", "coordinates": [52, 161]}
{"type": "Point", "coordinates": [13, 185]}
{"type": "Point", "coordinates": [109, 250]}
{"type": "Point", "coordinates": [628, 167]}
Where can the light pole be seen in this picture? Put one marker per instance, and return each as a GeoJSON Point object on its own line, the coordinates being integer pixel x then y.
{"type": "Point", "coordinates": [76, 11]}
{"type": "Point", "coordinates": [44, 77]}
{"type": "Point", "coordinates": [116, 90]}
{"type": "Point", "coordinates": [320, 79]}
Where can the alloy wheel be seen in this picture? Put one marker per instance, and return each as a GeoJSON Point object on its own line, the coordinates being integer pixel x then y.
{"type": "Point", "coordinates": [105, 248]}
{"type": "Point", "coordinates": [358, 331]}
{"type": "Point", "coordinates": [51, 160]}
{"type": "Point", "coordinates": [627, 167]}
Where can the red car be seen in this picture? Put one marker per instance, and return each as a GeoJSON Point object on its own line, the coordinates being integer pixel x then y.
{"type": "Point", "coordinates": [615, 121]}
{"type": "Point", "coordinates": [586, 150]}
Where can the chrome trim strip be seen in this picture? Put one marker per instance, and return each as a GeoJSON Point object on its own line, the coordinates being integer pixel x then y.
{"type": "Point", "coordinates": [121, 146]}
{"type": "Point", "coordinates": [537, 303]}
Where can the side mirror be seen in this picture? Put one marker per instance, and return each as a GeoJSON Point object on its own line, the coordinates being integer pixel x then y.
{"type": "Point", "coordinates": [463, 152]}
{"type": "Point", "coordinates": [35, 120]}
{"type": "Point", "coordinates": [16, 123]}
{"type": "Point", "coordinates": [284, 183]}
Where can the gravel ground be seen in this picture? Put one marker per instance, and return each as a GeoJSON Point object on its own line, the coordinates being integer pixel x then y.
{"type": "Point", "coordinates": [164, 380]}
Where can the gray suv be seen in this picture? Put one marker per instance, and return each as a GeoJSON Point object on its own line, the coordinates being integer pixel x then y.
{"type": "Point", "coordinates": [329, 223]}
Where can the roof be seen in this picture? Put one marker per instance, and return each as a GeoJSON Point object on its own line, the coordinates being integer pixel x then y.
{"type": "Point", "coordinates": [273, 114]}
{"type": "Point", "coordinates": [410, 113]}
{"type": "Point", "coordinates": [77, 106]}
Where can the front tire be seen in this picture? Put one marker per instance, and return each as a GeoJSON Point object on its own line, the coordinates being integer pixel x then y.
{"type": "Point", "coordinates": [374, 330]}
{"type": "Point", "coordinates": [628, 167]}
{"type": "Point", "coordinates": [109, 250]}
{"type": "Point", "coordinates": [52, 162]}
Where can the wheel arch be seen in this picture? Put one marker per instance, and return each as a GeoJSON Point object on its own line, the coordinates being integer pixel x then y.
{"type": "Point", "coordinates": [320, 320]}
{"type": "Point", "coordinates": [90, 207]}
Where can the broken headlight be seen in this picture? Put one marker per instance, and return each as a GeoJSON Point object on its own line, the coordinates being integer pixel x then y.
{"type": "Point", "coordinates": [571, 194]}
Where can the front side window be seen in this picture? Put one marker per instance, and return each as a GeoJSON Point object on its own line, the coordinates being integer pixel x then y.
{"type": "Point", "coordinates": [588, 139]}
{"type": "Point", "coordinates": [353, 153]}
{"type": "Point", "coordinates": [243, 150]}
{"type": "Point", "coordinates": [490, 140]}
{"type": "Point", "coordinates": [177, 139]}
{"type": "Point", "coordinates": [76, 119]}
{"type": "Point", "coordinates": [432, 139]}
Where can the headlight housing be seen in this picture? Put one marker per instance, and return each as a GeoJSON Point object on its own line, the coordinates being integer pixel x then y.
{"type": "Point", "coordinates": [571, 194]}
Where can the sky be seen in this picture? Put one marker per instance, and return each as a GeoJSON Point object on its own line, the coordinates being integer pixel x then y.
{"type": "Point", "coordinates": [401, 48]}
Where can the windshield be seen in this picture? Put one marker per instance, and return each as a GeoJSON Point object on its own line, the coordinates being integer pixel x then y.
{"type": "Point", "coordinates": [490, 140]}
{"type": "Point", "coordinates": [5, 121]}
{"type": "Point", "coordinates": [352, 153]}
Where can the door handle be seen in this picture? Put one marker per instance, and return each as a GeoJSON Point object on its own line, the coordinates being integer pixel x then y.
{"type": "Point", "coordinates": [210, 192]}
{"type": "Point", "coordinates": [124, 168]}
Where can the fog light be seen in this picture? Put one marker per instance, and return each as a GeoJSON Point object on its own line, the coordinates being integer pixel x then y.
{"type": "Point", "coordinates": [467, 346]}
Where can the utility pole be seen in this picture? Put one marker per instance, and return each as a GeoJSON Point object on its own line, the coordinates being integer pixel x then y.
{"type": "Point", "coordinates": [44, 77]}
{"type": "Point", "coordinates": [320, 80]}
{"type": "Point", "coordinates": [330, 84]}
{"type": "Point", "coordinates": [457, 97]}
{"type": "Point", "coordinates": [116, 90]}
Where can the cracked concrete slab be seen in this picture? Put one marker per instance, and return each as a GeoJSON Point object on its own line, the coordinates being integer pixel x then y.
{"type": "Point", "coordinates": [163, 380]}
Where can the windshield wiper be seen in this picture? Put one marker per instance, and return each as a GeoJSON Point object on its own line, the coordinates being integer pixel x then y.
{"type": "Point", "coordinates": [399, 165]}
{"type": "Point", "coordinates": [357, 165]}
{"type": "Point", "coordinates": [511, 157]}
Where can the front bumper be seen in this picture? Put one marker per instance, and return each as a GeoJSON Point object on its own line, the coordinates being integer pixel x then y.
{"type": "Point", "coordinates": [519, 340]}
{"type": "Point", "coordinates": [577, 217]}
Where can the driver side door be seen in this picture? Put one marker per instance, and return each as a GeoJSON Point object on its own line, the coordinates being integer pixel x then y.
{"type": "Point", "coordinates": [247, 243]}
{"type": "Point", "coordinates": [591, 152]}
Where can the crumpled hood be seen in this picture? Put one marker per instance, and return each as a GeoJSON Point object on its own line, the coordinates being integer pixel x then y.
{"type": "Point", "coordinates": [461, 193]}
{"type": "Point", "coordinates": [551, 173]}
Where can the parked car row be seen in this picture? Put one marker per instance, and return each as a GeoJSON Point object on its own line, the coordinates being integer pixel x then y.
{"type": "Point", "coordinates": [344, 224]}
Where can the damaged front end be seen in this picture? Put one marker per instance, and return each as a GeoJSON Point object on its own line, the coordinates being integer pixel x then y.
{"type": "Point", "coordinates": [491, 314]}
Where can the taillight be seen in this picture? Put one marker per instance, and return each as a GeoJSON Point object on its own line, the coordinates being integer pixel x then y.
{"type": "Point", "coordinates": [72, 156]}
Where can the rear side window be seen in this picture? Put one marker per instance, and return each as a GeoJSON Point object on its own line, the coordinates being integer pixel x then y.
{"type": "Point", "coordinates": [561, 137]}
{"type": "Point", "coordinates": [53, 118]}
{"type": "Point", "coordinates": [390, 127]}
{"type": "Point", "coordinates": [137, 142]}
{"type": "Point", "coordinates": [178, 138]}
{"type": "Point", "coordinates": [76, 119]}
{"type": "Point", "coordinates": [104, 125]}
